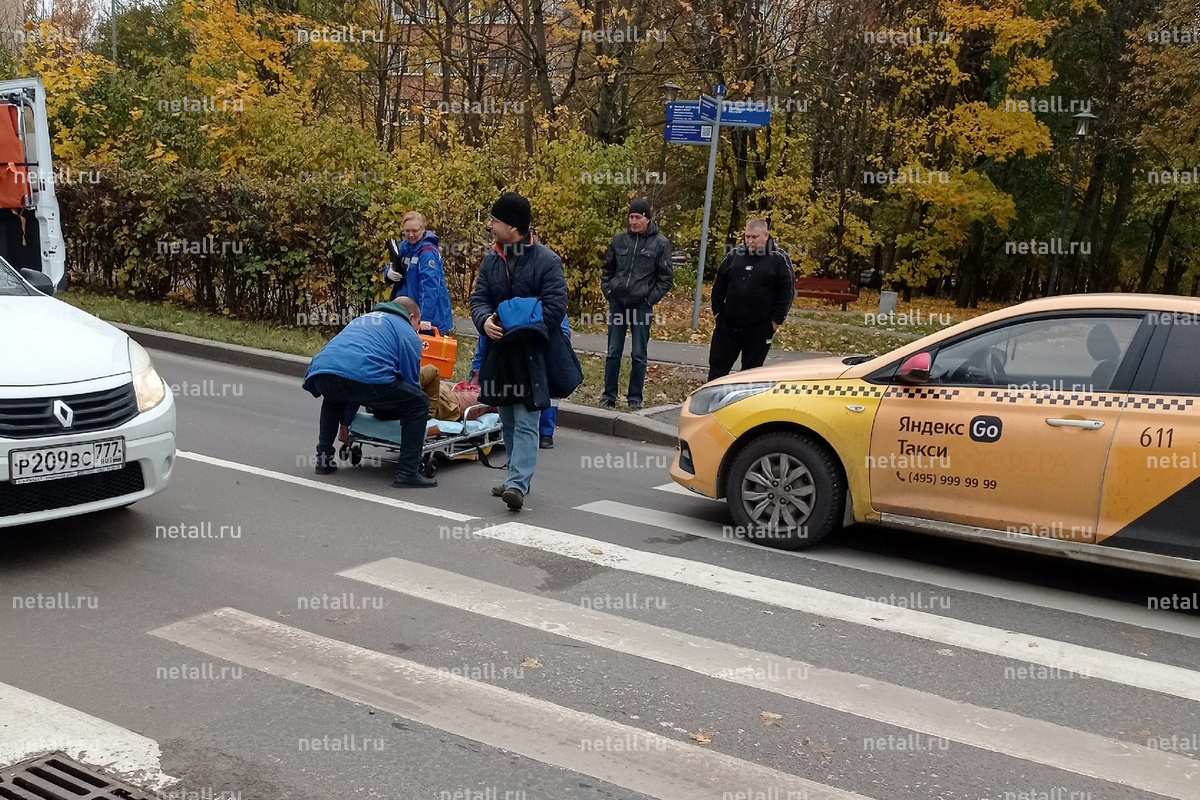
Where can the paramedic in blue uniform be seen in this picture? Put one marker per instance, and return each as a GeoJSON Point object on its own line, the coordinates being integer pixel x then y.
{"type": "Point", "coordinates": [374, 361]}
{"type": "Point", "coordinates": [421, 274]}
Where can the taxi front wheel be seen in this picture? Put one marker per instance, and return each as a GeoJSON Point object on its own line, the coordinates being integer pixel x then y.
{"type": "Point", "coordinates": [785, 491]}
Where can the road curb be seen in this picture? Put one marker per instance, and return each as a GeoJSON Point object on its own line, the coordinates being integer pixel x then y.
{"type": "Point", "coordinates": [570, 415]}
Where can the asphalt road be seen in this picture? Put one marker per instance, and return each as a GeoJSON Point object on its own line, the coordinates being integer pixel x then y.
{"type": "Point", "coordinates": [352, 640]}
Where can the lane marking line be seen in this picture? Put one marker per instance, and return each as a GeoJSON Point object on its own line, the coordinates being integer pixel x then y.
{"type": "Point", "coordinates": [1056, 599]}
{"type": "Point", "coordinates": [353, 494]}
{"type": "Point", "coordinates": [1136, 672]}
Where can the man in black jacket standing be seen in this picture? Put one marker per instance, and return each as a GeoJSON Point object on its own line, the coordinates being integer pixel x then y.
{"type": "Point", "coordinates": [637, 274]}
{"type": "Point", "coordinates": [751, 297]}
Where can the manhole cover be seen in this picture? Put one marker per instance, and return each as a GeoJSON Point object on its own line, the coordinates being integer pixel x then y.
{"type": "Point", "coordinates": [57, 777]}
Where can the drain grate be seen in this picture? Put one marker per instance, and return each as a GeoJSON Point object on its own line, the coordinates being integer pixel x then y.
{"type": "Point", "coordinates": [57, 777]}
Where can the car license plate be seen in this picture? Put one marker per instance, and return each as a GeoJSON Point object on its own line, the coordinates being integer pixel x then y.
{"type": "Point", "coordinates": [65, 461]}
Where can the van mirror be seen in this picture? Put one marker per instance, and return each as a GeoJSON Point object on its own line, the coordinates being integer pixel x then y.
{"type": "Point", "coordinates": [39, 280]}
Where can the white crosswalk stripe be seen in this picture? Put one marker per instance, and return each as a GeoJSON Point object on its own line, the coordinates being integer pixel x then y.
{"type": "Point", "coordinates": [1127, 670]}
{"type": "Point", "coordinates": [997, 731]}
{"type": "Point", "coordinates": [1042, 597]}
{"type": "Point", "coordinates": [31, 725]}
{"type": "Point", "coordinates": [654, 765]}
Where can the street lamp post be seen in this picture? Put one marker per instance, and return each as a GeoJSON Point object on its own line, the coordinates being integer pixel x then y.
{"type": "Point", "coordinates": [1083, 122]}
{"type": "Point", "coordinates": [670, 90]}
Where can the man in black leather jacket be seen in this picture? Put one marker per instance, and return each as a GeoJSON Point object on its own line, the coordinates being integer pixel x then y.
{"type": "Point", "coordinates": [637, 274]}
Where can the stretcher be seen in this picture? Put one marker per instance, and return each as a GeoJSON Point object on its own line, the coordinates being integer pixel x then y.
{"type": "Point", "coordinates": [470, 438]}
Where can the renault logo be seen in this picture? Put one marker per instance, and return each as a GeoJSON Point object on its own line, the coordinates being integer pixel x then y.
{"type": "Point", "coordinates": [63, 413]}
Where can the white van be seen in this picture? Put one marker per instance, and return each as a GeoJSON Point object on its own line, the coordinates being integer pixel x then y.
{"type": "Point", "coordinates": [86, 423]}
{"type": "Point", "coordinates": [30, 226]}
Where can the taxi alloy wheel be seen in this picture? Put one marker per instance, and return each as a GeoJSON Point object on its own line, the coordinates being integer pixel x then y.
{"type": "Point", "coordinates": [785, 491]}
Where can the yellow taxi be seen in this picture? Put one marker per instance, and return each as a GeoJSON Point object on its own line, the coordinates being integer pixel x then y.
{"type": "Point", "coordinates": [1068, 425]}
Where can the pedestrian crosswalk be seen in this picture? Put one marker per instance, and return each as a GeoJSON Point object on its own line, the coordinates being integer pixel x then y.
{"type": "Point", "coordinates": [666, 764]}
{"type": "Point", "coordinates": [666, 767]}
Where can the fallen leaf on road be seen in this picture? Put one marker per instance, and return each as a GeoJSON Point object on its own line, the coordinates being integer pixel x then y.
{"type": "Point", "coordinates": [531, 662]}
{"type": "Point", "coordinates": [596, 551]}
{"type": "Point", "coordinates": [770, 718]}
{"type": "Point", "coordinates": [703, 737]}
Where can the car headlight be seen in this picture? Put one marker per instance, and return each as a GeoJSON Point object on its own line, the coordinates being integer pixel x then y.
{"type": "Point", "coordinates": [714, 398]}
{"type": "Point", "coordinates": [147, 384]}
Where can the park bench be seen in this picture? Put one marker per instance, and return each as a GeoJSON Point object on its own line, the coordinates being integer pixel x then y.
{"type": "Point", "coordinates": [831, 290]}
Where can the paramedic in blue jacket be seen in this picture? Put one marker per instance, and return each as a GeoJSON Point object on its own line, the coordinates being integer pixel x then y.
{"type": "Point", "coordinates": [549, 418]}
{"type": "Point", "coordinates": [374, 361]}
{"type": "Point", "coordinates": [520, 294]}
{"type": "Point", "coordinates": [421, 275]}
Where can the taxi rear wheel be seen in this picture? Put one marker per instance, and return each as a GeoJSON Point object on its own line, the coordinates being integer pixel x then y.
{"type": "Point", "coordinates": [785, 491]}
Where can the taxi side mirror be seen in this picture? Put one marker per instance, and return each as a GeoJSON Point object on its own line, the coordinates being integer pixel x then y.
{"type": "Point", "coordinates": [915, 369]}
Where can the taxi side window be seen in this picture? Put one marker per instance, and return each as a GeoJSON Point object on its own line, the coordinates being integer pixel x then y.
{"type": "Point", "coordinates": [1071, 354]}
{"type": "Point", "coordinates": [1178, 371]}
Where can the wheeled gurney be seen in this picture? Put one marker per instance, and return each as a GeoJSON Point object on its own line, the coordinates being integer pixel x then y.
{"type": "Point", "coordinates": [449, 440]}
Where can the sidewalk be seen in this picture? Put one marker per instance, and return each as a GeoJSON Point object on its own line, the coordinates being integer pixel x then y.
{"type": "Point", "coordinates": [659, 352]}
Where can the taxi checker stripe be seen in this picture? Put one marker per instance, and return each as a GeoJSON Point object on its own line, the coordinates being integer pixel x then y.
{"type": "Point", "coordinates": [924, 393]}
{"type": "Point", "coordinates": [1088, 400]}
{"type": "Point", "coordinates": [839, 390]}
{"type": "Point", "coordinates": [1136, 672]}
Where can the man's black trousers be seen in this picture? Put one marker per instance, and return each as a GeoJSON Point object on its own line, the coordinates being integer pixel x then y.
{"type": "Point", "coordinates": [389, 401]}
{"type": "Point", "coordinates": [730, 339]}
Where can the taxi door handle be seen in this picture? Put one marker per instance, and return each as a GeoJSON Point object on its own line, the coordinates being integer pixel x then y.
{"type": "Point", "coordinates": [1087, 424]}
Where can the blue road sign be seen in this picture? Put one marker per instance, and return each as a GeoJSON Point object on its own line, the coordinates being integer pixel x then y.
{"type": "Point", "coordinates": [736, 113]}
{"type": "Point", "coordinates": [720, 89]}
{"type": "Point", "coordinates": [684, 111]}
{"type": "Point", "coordinates": [688, 133]}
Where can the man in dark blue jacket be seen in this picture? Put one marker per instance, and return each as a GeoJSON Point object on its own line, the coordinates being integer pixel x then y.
{"type": "Point", "coordinates": [374, 361]}
{"type": "Point", "coordinates": [519, 296]}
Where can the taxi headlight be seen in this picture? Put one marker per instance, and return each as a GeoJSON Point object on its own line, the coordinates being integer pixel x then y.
{"type": "Point", "coordinates": [714, 398]}
{"type": "Point", "coordinates": [147, 384]}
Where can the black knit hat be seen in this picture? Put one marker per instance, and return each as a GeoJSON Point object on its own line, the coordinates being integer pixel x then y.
{"type": "Point", "coordinates": [512, 209]}
{"type": "Point", "coordinates": [640, 206]}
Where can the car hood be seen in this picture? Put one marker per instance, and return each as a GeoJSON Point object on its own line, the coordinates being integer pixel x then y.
{"type": "Point", "coordinates": [45, 341]}
{"type": "Point", "coordinates": [813, 369]}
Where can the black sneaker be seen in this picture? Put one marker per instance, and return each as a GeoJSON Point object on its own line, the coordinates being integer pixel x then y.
{"type": "Point", "coordinates": [326, 465]}
{"type": "Point", "coordinates": [413, 480]}
{"type": "Point", "coordinates": [513, 499]}
{"type": "Point", "coordinates": [546, 443]}
{"type": "Point", "coordinates": [606, 403]}
{"type": "Point", "coordinates": [498, 491]}
{"type": "Point", "coordinates": [635, 405]}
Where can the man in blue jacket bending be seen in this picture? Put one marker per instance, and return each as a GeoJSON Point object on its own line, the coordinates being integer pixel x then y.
{"type": "Point", "coordinates": [421, 274]}
{"type": "Point", "coordinates": [374, 361]}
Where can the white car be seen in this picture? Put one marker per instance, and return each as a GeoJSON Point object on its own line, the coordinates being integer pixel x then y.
{"type": "Point", "coordinates": [86, 423]}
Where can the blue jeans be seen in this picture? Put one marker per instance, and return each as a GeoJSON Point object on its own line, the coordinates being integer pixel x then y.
{"type": "Point", "coordinates": [637, 319]}
{"type": "Point", "coordinates": [519, 427]}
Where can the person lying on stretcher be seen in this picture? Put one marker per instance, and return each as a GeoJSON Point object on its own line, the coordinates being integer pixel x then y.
{"type": "Point", "coordinates": [447, 402]}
